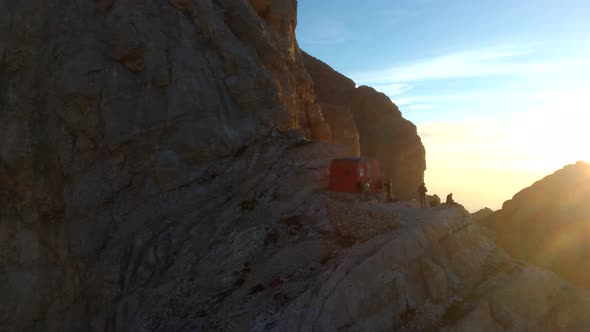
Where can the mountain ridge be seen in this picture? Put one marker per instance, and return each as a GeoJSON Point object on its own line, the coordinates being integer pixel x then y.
{"type": "Point", "coordinates": [163, 167]}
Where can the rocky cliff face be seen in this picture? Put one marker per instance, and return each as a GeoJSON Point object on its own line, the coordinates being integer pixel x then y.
{"type": "Point", "coordinates": [155, 176]}
{"type": "Point", "coordinates": [105, 105]}
{"type": "Point", "coordinates": [369, 124]}
{"type": "Point", "coordinates": [553, 213]}
{"type": "Point", "coordinates": [255, 243]}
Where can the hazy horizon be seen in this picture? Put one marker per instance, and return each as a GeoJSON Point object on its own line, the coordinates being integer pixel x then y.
{"type": "Point", "coordinates": [498, 90]}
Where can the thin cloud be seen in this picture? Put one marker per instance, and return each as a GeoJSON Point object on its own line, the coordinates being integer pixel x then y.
{"type": "Point", "coordinates": [419, 107]}
{"type": "Point", "coordinates": [403, 101]}
{"type": "Point", "coordinates": [393, 89]}
{"type": "Point", "coordinates": [502, 94]}
{"type": "Point", "coordinates": [474, 63]}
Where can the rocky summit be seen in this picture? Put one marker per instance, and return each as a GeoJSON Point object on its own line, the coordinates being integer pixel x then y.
{"type": "Point", "coordinates": [164, 167]}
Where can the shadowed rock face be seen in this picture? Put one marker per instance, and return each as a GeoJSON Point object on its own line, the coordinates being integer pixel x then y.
{"type": "Point", "coordinates": [107, 104]}
{"type": "Point", "coordinates": [482, 215]}
{"type": "Point", "coordinates": [547, 224]}
{"type": "Point", "coordinates": [335, 92]}
{"type": "Point", "coordinates": [384, 134]}
{"type": "Point", "coordinates": [143, 188]}
{"type": "Point", "coordinates": [371, 117]}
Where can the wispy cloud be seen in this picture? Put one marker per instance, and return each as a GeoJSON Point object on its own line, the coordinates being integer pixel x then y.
{"type": "Point", "coordinates": [393, 89]}
{"type": "Point", "coordinates": [464, 64]}
{"type": "Point", "coordinates": [419, 107]}
{"type": "Point", "coordinates": [400, 81]}
{"type": "Point", "coordinates": [503, 94]}
{"type": "Point", "coordinates": [404, 101]}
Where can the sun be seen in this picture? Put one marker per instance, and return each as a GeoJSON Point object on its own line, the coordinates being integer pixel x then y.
{"type": "Point", "coordinates": [552, 139]}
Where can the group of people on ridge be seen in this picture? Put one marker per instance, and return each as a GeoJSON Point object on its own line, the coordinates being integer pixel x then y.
{"type": "Point", "coordinates": [422, 193]}
{"type": "Point", "coordinates": [365, 189]}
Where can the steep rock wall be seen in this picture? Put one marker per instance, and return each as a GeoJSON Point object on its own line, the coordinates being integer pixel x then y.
{"type": "Point", "coordinates": [553, 213]}
{"type": "Point", "coordinates": [142, 188]}
{"type": "Point", "coordinates": [386, 135]}
{"type": "Point", "coordinates": [369, 124]}
{"type": "Point", "coordinates": [334, 92]}
{"type": "Point", "coordinates": [105, 105]}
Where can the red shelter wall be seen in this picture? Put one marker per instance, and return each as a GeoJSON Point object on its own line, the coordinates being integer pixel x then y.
{"type": "Point", "coordinates": [348, 174]}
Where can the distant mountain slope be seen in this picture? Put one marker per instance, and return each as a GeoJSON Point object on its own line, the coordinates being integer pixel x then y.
{"type": "Point", "coordinates": [548, 223]}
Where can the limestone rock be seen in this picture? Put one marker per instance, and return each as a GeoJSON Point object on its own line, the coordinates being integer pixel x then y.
{"type": "Point", "coordinates": [553, 213]}
{"type": "Point", "coordinates": [369, 124]}
{"type": "Point", "coordinates": [482, 215]}
{"type": "Point", "coordinates": [330, 86]}
{"type": "Point", "coordinates": [384, 134]}
{"type": "Point", "coordinates": [360, 221]}
{"type": "Point", "coordinates": [157, 174]}
{"type": "Point", "coordinates": [436, 271]}
{"type": "Point", "coordinates": [436, 280]}
{"type": "Point", "coordinates": [343, 128]}
{"type": "Point", "coordinates": [334, 93]}
{"type": "Point", "coordinates": [105, 105]}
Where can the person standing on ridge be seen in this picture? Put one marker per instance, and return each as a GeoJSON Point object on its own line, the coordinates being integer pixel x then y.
{"type": "Point", "coordinates": [389, 194]}
{"type": "Point", "coordinates": [422, 191]}
{"type": "Point", "coordinates": [366, 191]}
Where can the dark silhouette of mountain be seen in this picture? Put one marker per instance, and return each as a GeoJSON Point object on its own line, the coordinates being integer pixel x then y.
{"type": "Point", "coordinates": [548, 223]}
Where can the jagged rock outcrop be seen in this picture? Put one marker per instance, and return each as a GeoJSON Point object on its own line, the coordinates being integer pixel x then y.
{"type": "Point", "coordinates": [438, 271]}
{"type": "Point", "coordinates": [370, 124]}
{"type": "Point", "coordinates": [547, 223]}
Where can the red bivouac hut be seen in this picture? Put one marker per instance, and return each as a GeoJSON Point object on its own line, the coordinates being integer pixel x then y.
{"type": "Point", "coordinates": [350, 174]}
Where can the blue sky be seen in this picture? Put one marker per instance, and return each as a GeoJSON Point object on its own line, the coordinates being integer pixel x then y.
{"type": "Point", "coordinates": [475, 77]}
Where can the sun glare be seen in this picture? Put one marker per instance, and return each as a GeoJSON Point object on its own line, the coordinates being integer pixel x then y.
{"type": "Point", "coordinates": [553, 138]}
{"type": "Point", "coordinates": [483, 161]}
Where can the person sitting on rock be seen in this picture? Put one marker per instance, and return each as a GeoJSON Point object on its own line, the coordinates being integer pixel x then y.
{"type": "Point", "coordinates": [450, 200]}
{"type": "Point", "coordinates": [422, 191]}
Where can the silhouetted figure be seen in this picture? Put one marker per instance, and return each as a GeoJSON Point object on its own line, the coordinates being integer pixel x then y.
{"type": "Point", "coordinates": [366, 191]}
{"type": "Point", "coordinates": [388, 185]}
{"type": "Point", "coordinates": [422, 191]}
{"type": "Point", "coordinates": [450, 200]}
